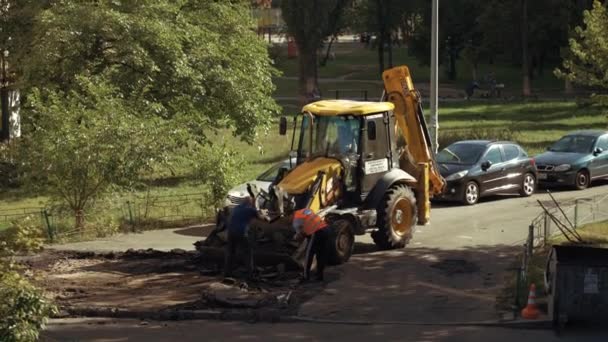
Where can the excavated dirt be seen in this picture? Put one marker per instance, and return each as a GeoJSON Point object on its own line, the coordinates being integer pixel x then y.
{"type": "Point", "coordinates": [154, 281]}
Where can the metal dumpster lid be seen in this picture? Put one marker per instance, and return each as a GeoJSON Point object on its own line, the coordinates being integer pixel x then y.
{"type": "Point", "coordinates": [579, 254]}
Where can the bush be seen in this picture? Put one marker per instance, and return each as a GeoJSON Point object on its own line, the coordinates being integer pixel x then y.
{"type": "Point", "coordinates": [22, 237]}
{"type": "Point", "coordinates": [219, 169]}
{"type": "Point", "coordinates": [23, 308]}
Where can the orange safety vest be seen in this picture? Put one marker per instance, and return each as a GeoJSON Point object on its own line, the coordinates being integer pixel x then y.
{"type": "Point", "coordinates": [309, 221]}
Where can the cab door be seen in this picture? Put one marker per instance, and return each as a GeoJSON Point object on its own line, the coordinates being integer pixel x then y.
{"type": "Point", "coordinates": [375, 150]}
{"type": "Point", "coordinates": [494, 177]}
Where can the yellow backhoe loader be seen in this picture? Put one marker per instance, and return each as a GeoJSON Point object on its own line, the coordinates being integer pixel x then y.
{"type": "Point", "coordinates": [364, 166]}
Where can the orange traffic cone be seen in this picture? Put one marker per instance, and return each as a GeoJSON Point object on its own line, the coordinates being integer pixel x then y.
{"type": "Point", "coordinates": [531, 311]}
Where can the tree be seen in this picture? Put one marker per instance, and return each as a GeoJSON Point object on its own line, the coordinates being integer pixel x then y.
{"type": "Point", "coordinates": [310, 23]}
{"type": "Point", "coordinates": [382, 18]}
{"type": "Point", "coordinates": [113, 87]}
{"type": "Point", "coordinates": [458, 29]}
{"type": "Point", "coordinates": [88, 139]}
{"type": "Point", "coordinates": [586, 61]}
{"type": "Point", "coordinates": [196, 63]}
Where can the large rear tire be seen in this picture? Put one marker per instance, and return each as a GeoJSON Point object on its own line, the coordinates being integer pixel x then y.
{"type": "Point", "coordinates": [342, 239]}
{"type": "Point", "coordinates": [397, 217]}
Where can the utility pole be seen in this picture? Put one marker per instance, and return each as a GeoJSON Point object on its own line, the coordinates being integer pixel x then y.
{"type": "Point", "coordinates": [434, 125]}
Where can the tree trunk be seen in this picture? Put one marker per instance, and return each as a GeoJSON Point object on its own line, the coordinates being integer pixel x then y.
{"type": "Point", "coordinates": [5, 133]}
{"type": "Point", "coordinates": [568, 87]}
{"type": "Point", "coordinates": [5, 111]}
{"type": "Point", "coordinates": [79, 219]}
{"type": "Point", "coordinates": [324, 60]}
{"type": "Point", "coordinates": [525, 65]}
{"type": "Point", "coordinates": [381, 35]}
{"type": "Point", "coordinates": [452, 73]}
{"type": "Point", "coordinates": [307, 80]}
{"type": "Point", "coordinates": [390, 50]}
{"type": "Point", "coordinates": [474, 70]}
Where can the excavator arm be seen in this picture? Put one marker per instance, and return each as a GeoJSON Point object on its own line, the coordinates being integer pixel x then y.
{"type": "Point", "coordinates": [410, 123]}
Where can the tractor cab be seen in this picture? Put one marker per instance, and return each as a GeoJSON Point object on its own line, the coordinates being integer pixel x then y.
{"type": "Point", "coordinates": [348, 141]}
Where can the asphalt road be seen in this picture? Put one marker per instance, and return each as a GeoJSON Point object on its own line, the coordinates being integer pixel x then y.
{"type": "Point", "coordinates": [451, 272]}
{"type": "Point", "coordinates": [499, 220]}
{"type": "Point", "coordinates": [129, 330]}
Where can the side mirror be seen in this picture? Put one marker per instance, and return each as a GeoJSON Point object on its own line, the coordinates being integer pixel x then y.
{"type": "Point", "coordinates": [597, 151]}
{"type": "Point", "coordinates": [486, 165]}
{"type": "Point", "coordinates": [283, 125]}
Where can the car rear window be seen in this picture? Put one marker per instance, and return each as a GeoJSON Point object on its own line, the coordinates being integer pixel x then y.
{"type": "Point", "coordinates": [461, 153]}
{"type": "Point", "coordinates": [511, 152]}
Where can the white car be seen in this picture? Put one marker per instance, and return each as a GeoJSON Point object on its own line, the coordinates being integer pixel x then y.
{"type": "Point", "coordinates": [237, 194]}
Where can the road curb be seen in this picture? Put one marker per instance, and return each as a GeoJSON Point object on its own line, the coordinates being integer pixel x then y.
{"type": "Point", "coordinates": [252, 315]}
{"type": "Point", "coordinates": [513, 324]}
{"type": "Point", "coordinates": [272, 316]}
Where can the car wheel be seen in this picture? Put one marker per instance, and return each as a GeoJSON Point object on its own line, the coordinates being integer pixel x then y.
{"type": "Point", "coordinates": [582, 180]}
{"type": "Point", "coordinates": [471, 193]}
{"type": "Point", "coordinates": [528, 185]}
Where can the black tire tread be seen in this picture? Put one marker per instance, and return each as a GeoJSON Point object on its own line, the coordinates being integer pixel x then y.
{"type": "Point", "coordinates": [383, 237]}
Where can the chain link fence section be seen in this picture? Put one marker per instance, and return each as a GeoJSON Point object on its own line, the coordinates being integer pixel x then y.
{"type": "Point", "coordinates": [132, 214]}
{"type": "Point", "coordinates": [166, 211]}
{"type": "Point", "coordinates": [8, 216]}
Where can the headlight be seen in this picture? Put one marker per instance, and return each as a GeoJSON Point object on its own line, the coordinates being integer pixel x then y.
{"type": "Point", "coordinates": [457, 175]}
{"type": "Point", "coordinates": [563, 167]}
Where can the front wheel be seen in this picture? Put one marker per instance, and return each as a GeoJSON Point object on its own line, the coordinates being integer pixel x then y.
{"type": "Point", "coordinates": [582, 180]}
{"type": "Point", "coordinates": [528, 185]}
{"type": "Point", "coordinates": [397, 216]}
{"type": "Point", "coordinates": [342, 239]}
{"type": "Point", "coordinates": [470, 195]}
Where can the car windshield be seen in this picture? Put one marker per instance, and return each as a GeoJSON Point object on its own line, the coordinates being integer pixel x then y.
{"type": "Point", "coordinates": [573, 144]}
{"type": "Point", "coordinates": [270, 174]}
{"type": "Point", "coordinates": [330, 136]}
{"type": "Point", "coordinates": [461, 153]}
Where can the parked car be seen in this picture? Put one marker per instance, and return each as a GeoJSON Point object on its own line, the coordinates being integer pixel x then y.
{"type": "Point", "coordinates": [237, 194]}
{"type": "Point", "coordinates": [476, 168]}
{"type": "Point", "coordinates": [576, 159]}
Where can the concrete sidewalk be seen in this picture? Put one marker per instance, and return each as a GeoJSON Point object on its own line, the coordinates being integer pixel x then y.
{"type": "Point", "coordinates": [162, 240]}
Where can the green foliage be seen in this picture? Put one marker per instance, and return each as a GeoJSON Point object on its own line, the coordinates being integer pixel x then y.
{"type": "Point", "coordinates": [198, 64]}
{"type": "Point", "coordinates": [220, 169]}
{"type": "Point", "coordinates": [23, 308]}
{"type": "Point", "coordinates": [24, 235]}
{"type": "Point", "coordinates": [586, 61]}
{"type": "Point", "coordinates": [310, 22]}
{"type": "Point", "coordinates": [89, 138]}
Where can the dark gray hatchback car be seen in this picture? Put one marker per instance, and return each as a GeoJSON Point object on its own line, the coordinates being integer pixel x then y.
{"type": "Point", "coordinates": [476, 168]}
{"type": "Point", "coordinates": [575, 160]}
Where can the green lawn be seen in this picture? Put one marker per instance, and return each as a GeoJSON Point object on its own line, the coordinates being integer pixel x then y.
{"type": "Point", "coordinates": [356, 62]}
{"type": "Point", "coordinates": [535, 125]}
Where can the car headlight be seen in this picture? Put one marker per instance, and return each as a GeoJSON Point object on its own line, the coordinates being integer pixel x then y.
{"type": "Point", "coordinates": [457, 175]}
{"type": "Point", "coordinates": [563, 167]}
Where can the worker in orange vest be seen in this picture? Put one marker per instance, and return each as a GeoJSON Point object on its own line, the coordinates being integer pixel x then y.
{"type": "Point", "coordinates": [311, 226]}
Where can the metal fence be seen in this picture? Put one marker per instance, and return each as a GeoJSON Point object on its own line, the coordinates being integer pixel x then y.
{"type": "Point", "coordinates": [132, 213]}
{"type": "Point", "coordinates": [556, 219]}
{"type": "Point", "coordinates": [7, 217]}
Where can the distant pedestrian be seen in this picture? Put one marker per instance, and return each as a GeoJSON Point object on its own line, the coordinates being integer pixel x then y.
{"type": "Point", "coordinates": [311, 226]}
{"type": "Point", "coordinates": [240, 237]}
{"type": "Point", "coordinates": [470, 89]}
